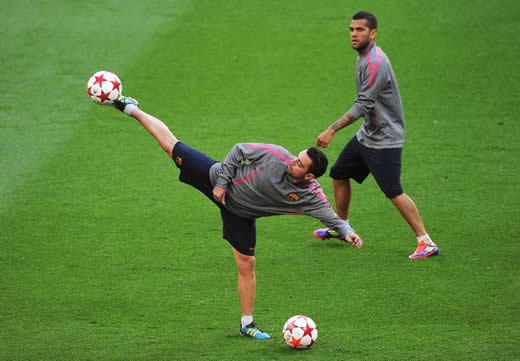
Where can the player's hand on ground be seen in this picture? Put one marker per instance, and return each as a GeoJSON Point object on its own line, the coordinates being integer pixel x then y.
{"type": "Point", "coordinates": [325, 138]}
{"type": "Point", "coordinates": [219, 194]}
{"type": "Point", "coordinates": [354, 240]}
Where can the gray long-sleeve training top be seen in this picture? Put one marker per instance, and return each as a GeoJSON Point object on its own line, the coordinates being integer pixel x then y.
{"type": "Point", "coordinates": [257, 185]}
{"type": "Point", "coordinates": [378, 101]}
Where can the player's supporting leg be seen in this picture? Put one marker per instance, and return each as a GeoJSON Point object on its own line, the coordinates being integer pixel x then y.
{"type": "Point", "coordinates": [246, 281]}
{"type": "Point", "coordinates": [406, 206]}
{"type": "Point", "coordinates": [409, 211]}
{"type": "Point", "coordinates": [342, 196]}
{"type": "Point", "coordinates": [154, 126]}
{"type": "Point", "coordinates": [247, 294]}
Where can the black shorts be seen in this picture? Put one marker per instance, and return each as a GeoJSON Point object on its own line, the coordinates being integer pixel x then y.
{"type": "Point", "coordinates": [357, 161]}
{"type": "Point", "coordinates": [238, 231]}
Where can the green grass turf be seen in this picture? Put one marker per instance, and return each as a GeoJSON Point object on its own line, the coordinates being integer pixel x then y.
{"type": "Point", "coordinates": [105, 256]}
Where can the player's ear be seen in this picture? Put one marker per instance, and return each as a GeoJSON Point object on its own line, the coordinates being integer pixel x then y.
{"type": "Point", "coordinates": [372, 34]}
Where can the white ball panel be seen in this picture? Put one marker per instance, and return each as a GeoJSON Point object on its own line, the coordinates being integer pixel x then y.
{"type": "Point", "coordinates": [314, 334]}
{"type": "Point", "coordinates": [95, 89]}
{"type": "Point", "coordinates": [114, 94]}
{"type": "Point", "coordinates": [107, 86]}
{"type": "Point", "coordinates": [297, 333]}
{"type": "Point", "coordinates": [306, 340]}
{"type": "Point", "coordinates": [300, 322]}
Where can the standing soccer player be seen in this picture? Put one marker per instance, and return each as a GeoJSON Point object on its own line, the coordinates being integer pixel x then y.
{"type": "Point", "coordinates": [376, 148]}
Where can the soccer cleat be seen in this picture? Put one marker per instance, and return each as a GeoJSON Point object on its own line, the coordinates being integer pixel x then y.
{"type": "Point", "coordinates": [424, 250]}
{"type": "Point", "coordinates": [253, 331]}
{"type": "Point", "coordinates": [327, 233]}
{"type": "Point", "coordinates": [121, 102]}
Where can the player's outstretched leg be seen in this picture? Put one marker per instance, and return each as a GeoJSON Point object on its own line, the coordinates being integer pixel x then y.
{"type": "Point", "coordinates": [153, 125]}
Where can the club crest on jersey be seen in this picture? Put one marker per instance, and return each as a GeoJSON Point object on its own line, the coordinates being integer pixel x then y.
{"type": "Point", "coordinates": [293, 197]}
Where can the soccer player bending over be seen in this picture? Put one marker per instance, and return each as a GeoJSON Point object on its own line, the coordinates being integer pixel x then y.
{"type": "Point", "coordinates": [254, 180]}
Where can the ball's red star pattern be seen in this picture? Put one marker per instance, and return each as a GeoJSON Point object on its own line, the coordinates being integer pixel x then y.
{"type": "Point", "coordinates": [99, 80]}
{"type": "Point", "coordinates": [295, 342]}
{"type": "Point", "coordinates": [104, 96]}
{"type": "Point", "coordinates": [116, 85]}
{"type": "Point", "coordinates": [307, 331]}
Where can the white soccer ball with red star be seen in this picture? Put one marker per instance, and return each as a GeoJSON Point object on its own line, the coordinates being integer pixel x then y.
{"type": "Point", "coordinates": [300, 332]}
{"type": "Point", "coordinates": [104, 87]}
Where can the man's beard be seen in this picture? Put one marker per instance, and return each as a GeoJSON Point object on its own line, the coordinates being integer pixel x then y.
{"type": "Point", "coordinates": [362, 46]}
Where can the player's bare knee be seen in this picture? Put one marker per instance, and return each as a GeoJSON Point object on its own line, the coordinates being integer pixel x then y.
{"type": "Point", "coordinates": [246, 264]}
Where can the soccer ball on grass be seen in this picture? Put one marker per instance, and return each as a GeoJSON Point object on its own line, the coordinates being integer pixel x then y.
{"type": "Point", "coordinates": [104, 87]}
{"type": "Point", "coordinates": [300, 332]}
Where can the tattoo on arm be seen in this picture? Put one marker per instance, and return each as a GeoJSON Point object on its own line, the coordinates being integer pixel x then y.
{"type": "Point", "coordinates": [344, 121]}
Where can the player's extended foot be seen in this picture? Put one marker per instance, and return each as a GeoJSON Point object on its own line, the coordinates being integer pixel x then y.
{"type": "Point", "coordinates": [326, 233]}
{"type": "Point", "coordinates": [424, 250]}
{"type": "Point", "coordinates": [121, 102]}
{"type": "Point", "coordinates": [253, 331]}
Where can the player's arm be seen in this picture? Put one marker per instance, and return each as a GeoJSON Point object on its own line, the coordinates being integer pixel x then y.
{"type": "Point", "coordinates": [326, 136]}
{"type": "Point", "coordinates": [239, 153]}
{"type": "Point", "coordinates": [373, 81]}
{"type": "Point", "coordinates": [317, 208]}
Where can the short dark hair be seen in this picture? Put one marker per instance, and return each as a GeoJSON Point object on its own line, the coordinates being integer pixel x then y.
{"type": "Point", "coordinates": [369, 17]}
{"type": "Point", "coordinates": [319, 162]}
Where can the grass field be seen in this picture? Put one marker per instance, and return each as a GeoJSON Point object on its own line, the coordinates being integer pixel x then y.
{"type": "Point", "coordinates": [104, 255]}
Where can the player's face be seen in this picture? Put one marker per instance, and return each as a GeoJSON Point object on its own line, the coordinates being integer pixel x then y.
{"type": "Point", "coordinates": [361, 35]}
{"type": "Point", "coordinates": [298, 168]}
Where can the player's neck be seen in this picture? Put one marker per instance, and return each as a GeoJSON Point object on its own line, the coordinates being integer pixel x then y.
{"type": "Point", "coordinates": [364, 50]}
